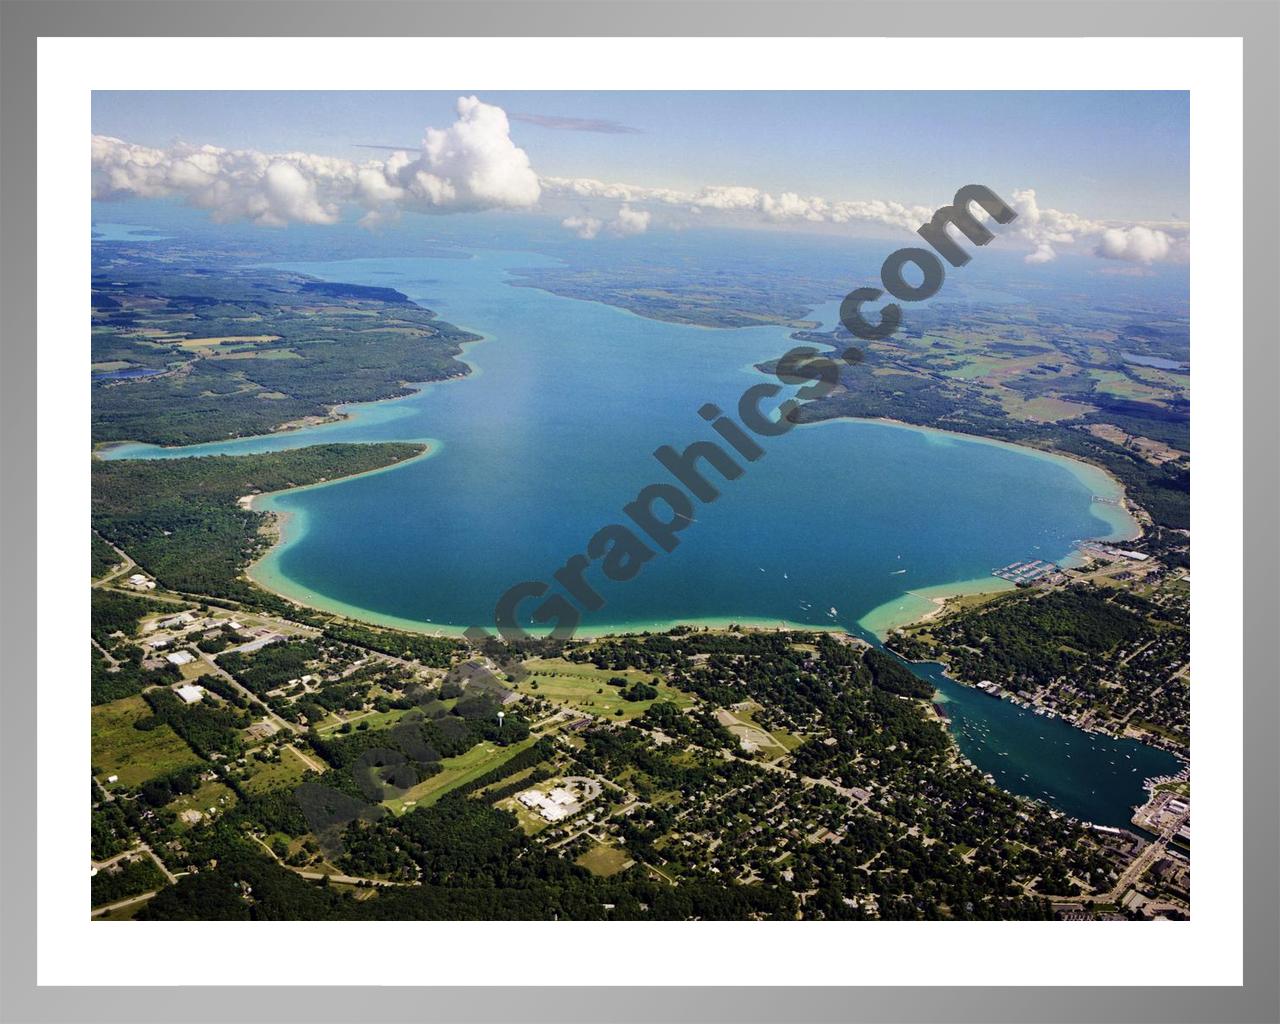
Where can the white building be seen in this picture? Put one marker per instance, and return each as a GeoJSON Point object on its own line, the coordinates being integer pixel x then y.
{"type": "Point", "coordinates": [190, 694]}
{"type": "Point", "coordinates": [180, 658]}
{"type": "Point", "coordinates": [553, 806]}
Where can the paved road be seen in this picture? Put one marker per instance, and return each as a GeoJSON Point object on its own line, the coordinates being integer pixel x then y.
{"type": "Point", "coordinates": [115, 574]}
{"type": "Point", "coordinates": [142, 847]}
{"type": "Point", "coordinates": [349, 879]}
{"type": "Point", "coordinates": [1137, 867]}
{"type": "Point", "coordinates": [123, 903]}
{"type": "Point", "coordinates": [208, 659]}
{"type": "Point", "coordinates": [160, 864]}
{"type": "Point", "coordinates": [133, 852]}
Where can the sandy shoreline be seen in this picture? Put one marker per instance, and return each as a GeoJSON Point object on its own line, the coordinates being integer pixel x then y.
{"type": "Point", "coordinates": [926, 603]}
{"type": "Point", "coordinates": [913, 606]}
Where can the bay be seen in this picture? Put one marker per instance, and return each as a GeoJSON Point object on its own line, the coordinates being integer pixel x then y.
{"type": "Point", "coordinates": [839, 525]}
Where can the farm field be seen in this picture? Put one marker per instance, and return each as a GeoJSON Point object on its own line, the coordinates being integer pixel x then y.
{"type": "Point", "coordinates": [135, 755]}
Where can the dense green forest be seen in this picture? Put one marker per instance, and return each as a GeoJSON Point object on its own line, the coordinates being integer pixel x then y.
{"type": "Point", "coordinates": [125, 879]}
{"type": "Point", "coordinates": [102, 557]}
{"type": "Point", "coordinates": [428, 650]}
{"type": "Point", "coordinates": [1040, 637]}
{"type": "Point", "coordinates": [110, 612]}
{"type": "Point", "coordinates": [272, 666]}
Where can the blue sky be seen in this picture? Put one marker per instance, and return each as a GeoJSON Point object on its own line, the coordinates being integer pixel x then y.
{"type": "Point", "coordinates": [1103, 155]}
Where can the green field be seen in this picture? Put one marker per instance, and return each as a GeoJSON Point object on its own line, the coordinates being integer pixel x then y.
{"type": "Point", "coordinates": [374, 720]}
{"type": "Point", "coordinates": [133, 754]}
{"type": "Point", "coordinates": [743, 724]}
{"type": "Point", "coordinates": [1121, 385]}
{"type": "Point", "coordinates": [457, 771]}
{"type": "Point", "coordinates": [604, 860]}
{"type": "Point", "coordinates": [210, 794]}
{"type": "Point", "coordinates": [576, 686]}
{"type": "Point", "coordinates": [287, 773]}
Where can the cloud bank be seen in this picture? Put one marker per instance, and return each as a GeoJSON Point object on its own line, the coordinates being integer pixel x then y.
{"type": "Point", "coordinates": [1044, 230]}
{"type": "Point", "coordinates": [474, 165]}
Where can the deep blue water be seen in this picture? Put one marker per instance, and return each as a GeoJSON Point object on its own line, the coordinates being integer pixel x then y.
{"type": "Point", "coordinates": [553, 433]}
{"type": "Point", "coordinates": [1153, 361]}
{"type": "Point", "coordinates": [110, 232]}
{"type": "Point", "coordinates": [1088, 775]}
{"type": "Point", "coordinates": [129, 373]}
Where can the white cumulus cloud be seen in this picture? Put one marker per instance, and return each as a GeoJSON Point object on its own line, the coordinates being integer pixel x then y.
{"type": "Point", "coordinates": [583, 227]}
{"type": "Point", "coordinates": [630, 222]}
{"type": "Point", "coordinates": [1137, 244]}
{"type": "Point", "coordinates": [471, 165]}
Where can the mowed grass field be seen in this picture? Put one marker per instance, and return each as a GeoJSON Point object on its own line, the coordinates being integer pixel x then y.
{"type": "Point", "coordinates": [604, 860]}
{"type": "Point", "coordinates": [576, 686]}
{"type": "Point", "coordinates": [134, 754]}
{"type": "Point", "coordinates": [457, 771]}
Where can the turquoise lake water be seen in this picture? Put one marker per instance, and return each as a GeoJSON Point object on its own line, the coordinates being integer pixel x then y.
{"type": "Point", "coordinates": [553, 433]}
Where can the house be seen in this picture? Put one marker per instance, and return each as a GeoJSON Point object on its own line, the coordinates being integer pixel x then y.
{"type": "Point", "coordinates": [180, 658]}
{"type": "Point", "coordinates": [185, 619]}
{"type": "Point", "coordinates": [190, 693]}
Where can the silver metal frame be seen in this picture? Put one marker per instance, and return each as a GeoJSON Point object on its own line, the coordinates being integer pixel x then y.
{"type": "Point", "coordinates": [23, 21]}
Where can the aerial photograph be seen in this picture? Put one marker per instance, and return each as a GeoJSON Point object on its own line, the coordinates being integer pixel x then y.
{"type": "Point", "coordinates": [615, 506]}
